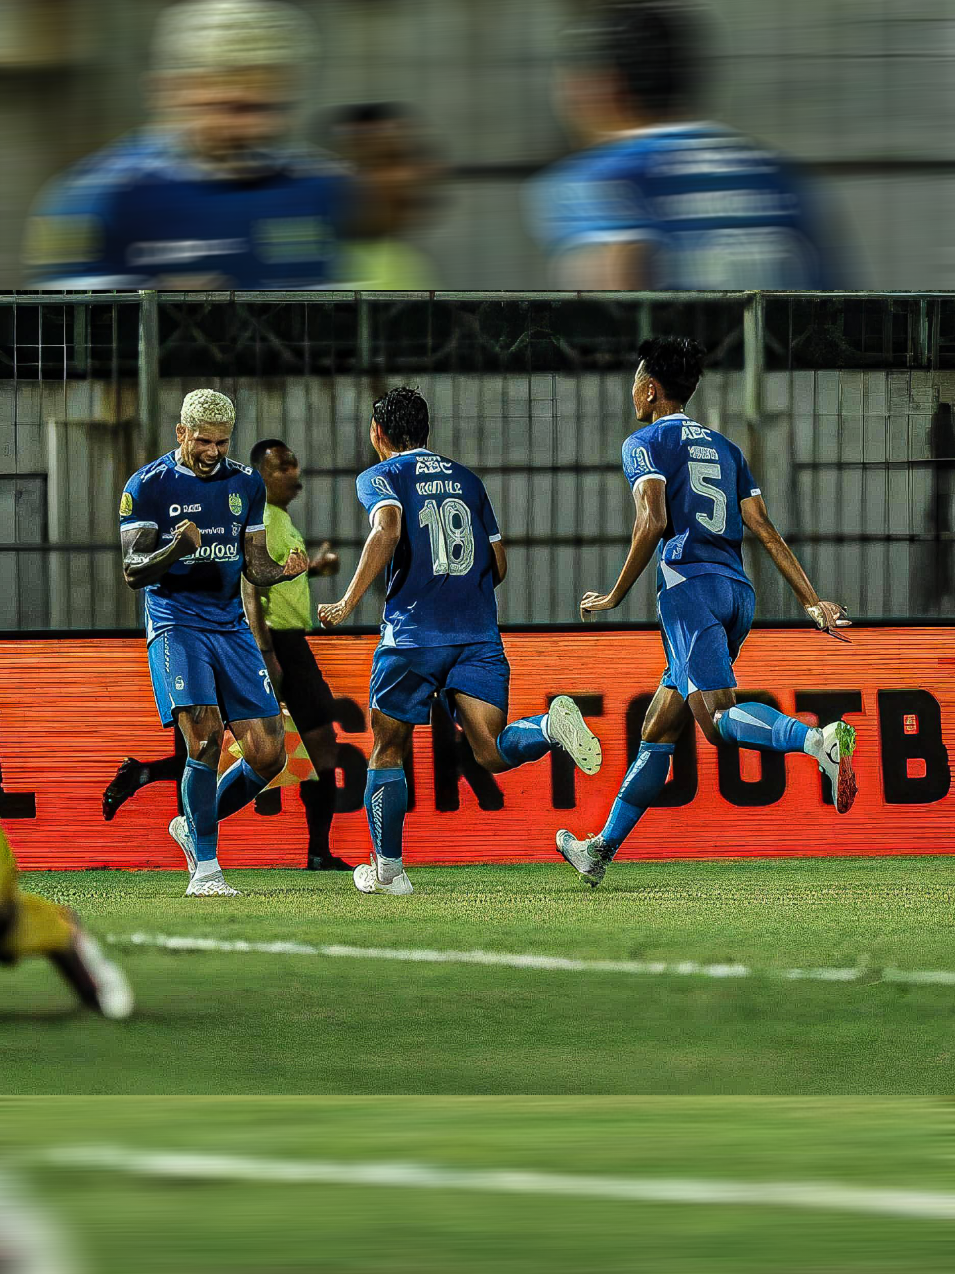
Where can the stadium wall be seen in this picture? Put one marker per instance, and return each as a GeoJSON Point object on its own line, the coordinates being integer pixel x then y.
{"type": "Point", "coordinates": [71, 708]}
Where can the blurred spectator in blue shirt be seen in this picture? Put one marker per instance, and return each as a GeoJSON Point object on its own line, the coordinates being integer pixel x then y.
{"type": "Point", "coordinates": [213, 193]}
{"type": "Point", "coordinates": [660, 199]}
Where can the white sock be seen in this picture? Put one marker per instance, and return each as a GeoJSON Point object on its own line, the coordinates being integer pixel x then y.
{"type": "Point", "coordinates": [813, 744]}
{"type": "Point", "coordinates": [206, 867]}
{"type": "Point", "coordinates": [545, 727]}
{"type": "Point", "coordinates": [389, 869]}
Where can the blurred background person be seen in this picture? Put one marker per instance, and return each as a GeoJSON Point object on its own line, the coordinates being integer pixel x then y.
{"type": "Point", "coordinates": [391, 154]}
{"type": "Point", "coordinates": [660, 198]}
{"type": "Point", "coordinates": [212, 192]}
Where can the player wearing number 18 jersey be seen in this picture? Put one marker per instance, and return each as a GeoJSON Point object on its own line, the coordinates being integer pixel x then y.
{"type": "Point", "coordinates": [434, 529]}
{"type": "Point", "coordinates": [694, 494]}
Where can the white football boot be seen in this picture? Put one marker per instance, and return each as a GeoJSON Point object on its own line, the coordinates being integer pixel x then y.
{"type": "Point", "coordinates": [179, 831]}
{"type": "Point", "coordinates": [833, 746]}
{"type": "Point", "coordinates": [587, 857]}
{"type": "Point", "coordinates": [212, 886]}
{"type": "Point", "coordinates": [567, 728]}
{"type": "Point", "coordinates": [367, 882]}
{"type": "Point", "coordinates": [114, 995]}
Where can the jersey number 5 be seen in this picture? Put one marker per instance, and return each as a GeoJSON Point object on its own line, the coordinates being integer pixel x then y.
{"type": "Point", "coordinates": [452, 539]}
{"type": "Point", "coordinates": [700, 471]}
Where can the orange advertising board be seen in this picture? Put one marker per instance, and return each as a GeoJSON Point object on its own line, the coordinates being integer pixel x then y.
{"type": "Point", "coordinates": [72, 708]}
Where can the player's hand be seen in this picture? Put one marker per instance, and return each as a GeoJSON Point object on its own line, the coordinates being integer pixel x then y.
{"type": "Point", "coordinates": [325, 561]}
{"type": "Point", "coordinates": [829, 617]}
{"type": "Point", "coordinates": [591, 602]}
{"type": "Point", "coordinates": [335, 613]}
{"type": "Point", "coordinates": [188, 536]}
{"type": "Point", "coordinates": [295, 564]}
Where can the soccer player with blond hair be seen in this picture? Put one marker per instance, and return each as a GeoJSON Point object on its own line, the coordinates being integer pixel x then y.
{"type": "Point", "coordinates": [192, 524]}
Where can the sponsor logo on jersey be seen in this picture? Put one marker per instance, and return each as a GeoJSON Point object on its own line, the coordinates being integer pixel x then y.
{"type": "Point", "coordinates": [179, 251]}
{"type": "Point", "coordinates": [235, 503]}
{"type": "Point", "coordinates": [176, 509]}
{"type": "Point", "coordinates": [214, 552]}
{"type": "Point", "coordinates": [125, 505]}
{"type": "Point", "coordinates": [704, 453]}
{"type": "Point", "coordinates": [180, 684]}
{"type": "Point", "coordinates": [431, 464]}
{"type": "Point", "coordinates": [694, 431]}
{"type": "Point", "coordinates": [382, 486]}
{"type": "Point", "coordinates": [236, 528]}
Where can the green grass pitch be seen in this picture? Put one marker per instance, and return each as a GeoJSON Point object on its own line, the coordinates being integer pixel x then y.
{"type": "Point", "coordinates": [296, 1024]}
{"type": "Point", "coordinates": [154, 1224]}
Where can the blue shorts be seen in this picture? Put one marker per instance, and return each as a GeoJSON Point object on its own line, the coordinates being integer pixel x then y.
{"type": "Point", "coordinates": [704, 622]}
{"type": "Point", "coordinates": [190, 666]}
{"type": "Point", "coordinates": [405, 679]}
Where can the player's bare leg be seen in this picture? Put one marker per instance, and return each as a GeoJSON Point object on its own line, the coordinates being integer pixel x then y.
{"type": "Point", "coordinates": [322, 748]}
{"type": "Point", "coordinates": [758, 725]}
{"type": "Point", "coordinates": [499, 747]}
{"type": "Point", "coordinates": [386, 802]}
{"type": "Point", "coordinates": [665, 721]}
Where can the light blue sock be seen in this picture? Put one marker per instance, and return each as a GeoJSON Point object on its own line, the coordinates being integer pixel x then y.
{"type": "Point", "coordinates": [642, 783]}
{"type": "Point", "coordinates": [386, 803]}
{"type": "Point", "coordinates": [523, 740]}
{"type": "Point", "coordinates": [199, 808]}
{"type": "Point", "coordinates": [757, 725]}
{"type": "Point", "coordinates": [239, 785]}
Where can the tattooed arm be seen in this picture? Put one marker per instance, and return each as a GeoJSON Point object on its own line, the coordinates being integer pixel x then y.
{"type": "Point", "coordinates": [262, 570]}
{"type": "Point", "coordinates": [143, 563]}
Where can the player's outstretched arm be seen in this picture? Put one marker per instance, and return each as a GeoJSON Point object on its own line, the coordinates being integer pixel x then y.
{"type": "Point", "coordinates": [378, 551]}
{"type": "Point", "coordinates": [827, 616]}
{"type": "Point", "coordinates": [261, 568]}
{"type": "Point", "coordinates": [650, 522]}
{"type": "Point", "coordinates": [142, 563]}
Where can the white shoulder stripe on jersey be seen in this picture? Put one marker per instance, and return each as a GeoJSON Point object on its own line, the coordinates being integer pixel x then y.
{"type": "Point", "coordinates": [396, 504]}
{"type": "Point", "coordinates": [646, 477]}
{"type": "Point", "coordinates": [132, 526]}
{"type": "Point", "coordinates": [259, 527]}
{"type": "Point", "coordinates": [494, 538]}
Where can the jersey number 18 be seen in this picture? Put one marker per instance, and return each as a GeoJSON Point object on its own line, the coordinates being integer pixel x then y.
{"type": "Point", "coordinates": [452, 539]}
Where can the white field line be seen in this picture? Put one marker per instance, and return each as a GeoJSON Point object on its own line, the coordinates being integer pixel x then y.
{"type": "Point", "coordinates": [559, 964]}
{"type": "Point", "coordinates": [186, 1166]}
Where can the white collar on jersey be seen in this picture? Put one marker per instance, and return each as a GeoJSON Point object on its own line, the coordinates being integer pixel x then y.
{"type": "Point", "coordinates": [674, 416]}
{"type": "Point", "coordinates": [181, 468]}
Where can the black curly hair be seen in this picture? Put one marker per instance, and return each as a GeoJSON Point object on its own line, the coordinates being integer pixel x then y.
{"type": "Point", "coordinates": [676, 362]}
{"type": "Point", "coordinates": [402, 416]}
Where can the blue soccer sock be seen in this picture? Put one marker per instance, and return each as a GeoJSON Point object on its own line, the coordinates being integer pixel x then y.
{"type": "Point", "coordinates": [524, 740]}
{"type": "Point", "coordinates": [757, 725]}
{"type": "Point", "coordinates": [642, 783]}
{"type": "Point", "coordinates": [199, 808]}
{"type": "Point", "coordinates": [386, 803]}
{"type": "Point", "coordinates": [239, 785]}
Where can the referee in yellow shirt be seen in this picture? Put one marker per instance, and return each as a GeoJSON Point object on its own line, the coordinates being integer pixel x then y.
{"type": "Point", "coordinates": [280, 617]}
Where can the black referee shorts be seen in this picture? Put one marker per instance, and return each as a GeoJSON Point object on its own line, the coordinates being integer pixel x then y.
{"type": "Point", "coordinates": [305, 692]}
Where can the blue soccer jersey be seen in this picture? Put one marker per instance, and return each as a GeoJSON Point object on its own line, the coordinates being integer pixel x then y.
{"type": "Point", "coordinates": [706, 478]}
{"type": "Point", "coordinates": [141, 211]}
{"type": "Point", "coordinates": [713, 210]}
{"type": "Point", "coordinates": [440, 581]}
{"type": "Point", "coordinates": [204, 589]}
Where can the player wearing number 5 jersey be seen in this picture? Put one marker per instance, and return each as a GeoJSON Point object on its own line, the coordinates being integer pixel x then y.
{"type": "Point", "coordinates": [694, 494]}
{"type": "Point", "coordinates": [433, 527]}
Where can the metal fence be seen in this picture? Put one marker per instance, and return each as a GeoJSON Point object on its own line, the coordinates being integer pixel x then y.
{"type": "Point", "coordinates": [842, 403]}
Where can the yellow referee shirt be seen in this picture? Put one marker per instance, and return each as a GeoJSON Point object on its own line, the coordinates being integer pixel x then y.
{"type": "Point", "coordinates": [289, 604]}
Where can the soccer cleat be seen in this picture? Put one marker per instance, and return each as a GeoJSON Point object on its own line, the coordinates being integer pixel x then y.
{"type": "Point", "coordinates": [179, 831]}
{"type": "Point", "coordinates": [100, 984]}
{"type": "Point", "coordinates": [214, 886]}
{"type": "Point", "coordinates": [367, 882]}
{"type": "Point", "coordinates": [835, 759]}
{"type": "Point", "coordinates": [124, 785]}
{"type": "Point", "coordinates": [327, 862]}
{"type": "Point", "coordinates": [566, 727]}
{"type": "Point", "coordinates": [587, 857]}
